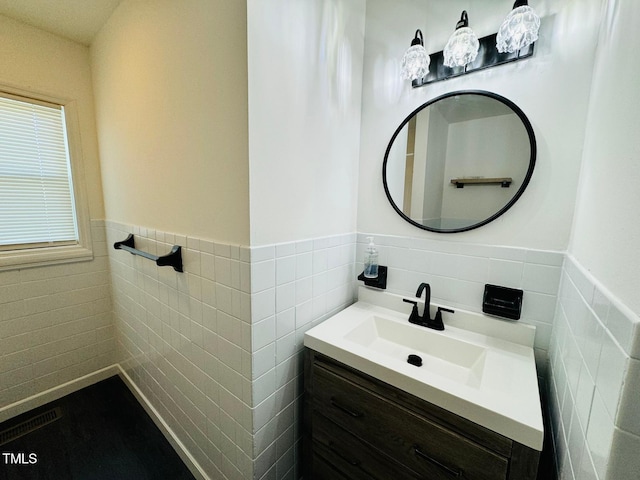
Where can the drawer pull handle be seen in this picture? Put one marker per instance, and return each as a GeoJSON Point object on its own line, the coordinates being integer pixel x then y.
{"type": "Point", "coordinates": [354, 463]}
{"type": "Point", "coordinates": [345, 409]}
{"type": "Point", "coordinates": [450, 471]}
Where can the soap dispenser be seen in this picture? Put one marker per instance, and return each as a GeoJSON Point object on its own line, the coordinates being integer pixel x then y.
{"type": "Point", "coordinates": [371, 260]}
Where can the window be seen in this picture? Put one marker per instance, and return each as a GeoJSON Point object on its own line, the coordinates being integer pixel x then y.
{"type": "Point", "coordinates": [39, 220]}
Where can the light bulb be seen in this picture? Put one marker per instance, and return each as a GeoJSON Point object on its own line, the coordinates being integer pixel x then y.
{"type": "Point", "coordinates": [463, 45]}
{"type": "Point", "coordinates": [415, 62]}
{"type": "Point", "coordinates": [518, 30]}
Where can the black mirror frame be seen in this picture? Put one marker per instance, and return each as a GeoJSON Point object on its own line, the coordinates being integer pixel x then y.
{"type": "Point", "coordinates": [514, 199]}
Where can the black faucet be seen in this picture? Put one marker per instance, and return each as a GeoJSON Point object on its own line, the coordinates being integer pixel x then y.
{"type": "Point", "coordinates": [425, 287]}
{"type": "Point", "coordinates": [425, 320]}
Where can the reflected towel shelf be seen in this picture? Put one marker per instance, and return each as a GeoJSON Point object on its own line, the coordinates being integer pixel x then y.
{"type": "Point", "coordinates": [504, 182]}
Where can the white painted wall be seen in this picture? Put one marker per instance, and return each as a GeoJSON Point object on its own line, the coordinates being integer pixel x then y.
{"type": "Point", "coordinates": [36, 61]}
{"type": "Point", "coordinates": [171, 88]}
{"type": "Point", "coordinates": [606, 233]}
{"type": "Point", "coordinates": [305, 77]}
{"type": "Point", "coordinates": [471, 152]}
{"type": "Point", "coordinates": [552, 88]}
{"type": "Point", "coordinates": [170, 81]}
{"type": "Point", "coordinates": [55, 321]}
{"type": "Point", "coordinates": [432, 199]}
{"type": "Point", "coordinates": [421, 147]}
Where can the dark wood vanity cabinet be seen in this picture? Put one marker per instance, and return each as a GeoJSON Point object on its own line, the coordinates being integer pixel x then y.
{"type": "Point", "coordinates": [357, 427]}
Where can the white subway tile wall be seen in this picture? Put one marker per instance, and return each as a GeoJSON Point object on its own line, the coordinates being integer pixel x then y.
{"type": "Point", "coordinates": [295, 286]}
{"type": "Point", "coordinates": [185, 341]}
{"type": "Point", "coordinates": [458, 272]}
{"type": "Point", "coordinates": [217, 349]}
{"type": "Point", "coordinates": [594, 381]}
{"type": "Point", "coordinates": [55, 324]}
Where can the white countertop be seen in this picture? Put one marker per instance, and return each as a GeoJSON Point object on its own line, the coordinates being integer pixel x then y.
{"type": "Point", "coordinates": [498, 390]}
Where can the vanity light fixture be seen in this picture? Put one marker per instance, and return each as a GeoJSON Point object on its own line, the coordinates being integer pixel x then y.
{"type": "Point", "coordinates": [415, 62]}
{"type": "Point", "coordinates": [519, 29]}
{"type": "Point", "coordinates": [465, 53]}
{"type": "Point", "coordinates": [463, 45]}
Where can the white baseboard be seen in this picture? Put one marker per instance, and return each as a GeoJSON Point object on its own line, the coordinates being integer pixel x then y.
{"type": "Point", "coordinates": [72, 386]}
{"type": "Point", "coordinates": [42, 398]}
{"type": "Point", "coordinates": [166, 430]}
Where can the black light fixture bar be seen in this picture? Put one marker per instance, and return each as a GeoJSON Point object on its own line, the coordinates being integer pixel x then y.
{"type": "Point", "coordinates": [488, 56]}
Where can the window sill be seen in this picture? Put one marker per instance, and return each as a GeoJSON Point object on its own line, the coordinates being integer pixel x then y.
{"type": "Point", "coordinates": [40, 257]}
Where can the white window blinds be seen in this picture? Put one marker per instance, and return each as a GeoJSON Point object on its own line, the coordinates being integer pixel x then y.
{"type": "Point", "coordinates": [36, 193]}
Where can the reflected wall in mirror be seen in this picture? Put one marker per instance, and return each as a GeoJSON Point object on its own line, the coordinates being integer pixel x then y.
{"type": "Point", "coordinates": [459, 161]}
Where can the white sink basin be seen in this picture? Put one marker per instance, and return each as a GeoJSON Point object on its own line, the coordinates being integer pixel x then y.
{"type": "Point", "coordinates": [481, 368]}
{"type": "Point", "coordinates": [443, 355]}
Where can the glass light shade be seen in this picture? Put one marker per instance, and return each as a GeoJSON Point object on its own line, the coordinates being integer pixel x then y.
{"type": "Point", "coordinates": [518, 30]}
{"type": "Point", "coordinates": [462, 48]}
{"type": "Point", "coordinates": [415, 63]}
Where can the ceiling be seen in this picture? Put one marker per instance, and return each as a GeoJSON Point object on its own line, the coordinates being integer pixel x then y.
{"type": "Point", "coordinates": [77, 20]}
{"type": "Point", "coordinates": [463, 108]}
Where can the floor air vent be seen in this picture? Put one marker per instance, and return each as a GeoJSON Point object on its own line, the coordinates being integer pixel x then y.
{"type": "Point", "coordinates": [30, 425]}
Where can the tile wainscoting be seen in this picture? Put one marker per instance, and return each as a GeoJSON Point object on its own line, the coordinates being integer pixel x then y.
{"type": "Point", "coordinates": [294, 287]}
{"type": "Point", "coordinates": [184, 339]}
{"type": "Point", "coordinates": [594, 381]}
{"type": "Point", "coordinates": [458, 272]}
{"type": "Point", "coordinates": [216, 349]}
{"type": "Point", "coordinates": [55, 325]}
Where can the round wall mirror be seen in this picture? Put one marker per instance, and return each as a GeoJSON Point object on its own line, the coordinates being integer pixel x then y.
{"type": "Point", "coordinates": [459, 161]}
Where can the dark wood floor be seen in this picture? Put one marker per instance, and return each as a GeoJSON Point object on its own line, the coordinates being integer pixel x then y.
{"type": "Point", "coordinates": [102, 434]}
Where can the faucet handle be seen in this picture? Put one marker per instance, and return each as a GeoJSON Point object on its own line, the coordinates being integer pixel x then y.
{"type": "Point", "coordinates": [437, 323]}
{"type": "Point", "coordinates": [414, 317]}
{"type": "Point", "coordinates": [438, 317]}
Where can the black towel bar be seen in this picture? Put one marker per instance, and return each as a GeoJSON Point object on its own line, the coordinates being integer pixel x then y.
{"type": "Point", "coordinates": [172, 259]}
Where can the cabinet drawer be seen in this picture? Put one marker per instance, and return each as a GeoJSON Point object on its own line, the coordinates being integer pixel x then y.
{"type": "Point", "coordinates": [354, 457]}
{"type": "Point", "coordinates": [322, 469]}
{"type": "Point", "coordinates": [493, 441]}
{"type": "Point", "coordinates": [421, 445]}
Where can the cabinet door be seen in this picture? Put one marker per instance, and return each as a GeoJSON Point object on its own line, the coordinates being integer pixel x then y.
{"type": "Point", "coordinates": [421, 445]}
{"type": "Point", "coordinates": [354, 457]}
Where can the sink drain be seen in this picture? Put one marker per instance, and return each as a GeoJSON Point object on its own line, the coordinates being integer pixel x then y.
{"type": "Point", "coordinates": [415, 360]}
